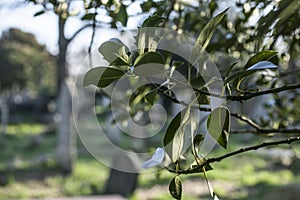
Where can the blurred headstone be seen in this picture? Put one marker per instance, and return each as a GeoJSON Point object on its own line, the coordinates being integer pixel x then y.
{"type": "Point", "coordinates": [122, 182]}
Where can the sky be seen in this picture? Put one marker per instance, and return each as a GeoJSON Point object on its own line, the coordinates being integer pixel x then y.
{"type": "Point", "coordinates": [45, 27]}
{"type": "Point", "coordinates": [22, 17]}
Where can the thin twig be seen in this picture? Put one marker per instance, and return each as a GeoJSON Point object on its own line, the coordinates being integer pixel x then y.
{"type": "Point", "coordinates": [267, 131]}
{"type": "Point", "coordinates": [257, 128]}
{"type": "Point", "coordinates": [248, 96]}
{"type": "Point", "coordinates": [247, 120]}
{"type": "Point", "coordinates": [79, 31]}
{"type": "Point", "coordinates": [92, 41]}
{"type": "Point", "coordinates": [168, 12]}
{"type": "Point", "coordinates": [243, 150]}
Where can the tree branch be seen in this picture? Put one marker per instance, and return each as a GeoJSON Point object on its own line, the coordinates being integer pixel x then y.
{"type": "Point", "coordinates": [79, 31]}
{"type": "Point", "coordinates": [92, 41]}
{"type": "Point", "coordinates": [257, 128]}
{"type": "Point", "coordinates": [248, 96]}
{"type": "Point", "coordinates": [267, 131]}
{"type": "Point", "coordinates": [247, 120]}
{"type": "Point", "coordinates": [243, 150]}
{"type": "Point", "coordinates": [168, 12]}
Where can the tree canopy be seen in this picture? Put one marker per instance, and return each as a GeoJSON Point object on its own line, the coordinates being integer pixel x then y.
{"type": "Point", "coordinates": [25, 64]}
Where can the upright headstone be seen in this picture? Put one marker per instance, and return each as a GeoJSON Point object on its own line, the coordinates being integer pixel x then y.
{"type": "Point", "coordinates": [122, 182]}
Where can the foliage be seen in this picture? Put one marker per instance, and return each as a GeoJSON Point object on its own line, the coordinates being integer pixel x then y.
{"type": "Point", "coordinates": [245, 52]}
{"type": "Point", "coordinates": [25, 63]}
{"type": "Point", "coordinates": [127, 64]}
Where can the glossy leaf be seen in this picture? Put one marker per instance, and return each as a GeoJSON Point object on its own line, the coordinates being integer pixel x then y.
{"type": "Point", "coordinates": [146, 6]}
{"type": "Point", "coordinates": [89, 16]}
{"type": "Point", "coordinates": [206, 35]}
{"type": "Point", "coordinates": [102, 76]}
{"type": "Point", "coordinates": [197, 140]}
{"type": "Point", "coordinates": [156, 159]}
{"type": "Point", "coordinates": [150, 96]}
{"type": "Point", "coordinates": [39, 13]}
{"type": "Point", "coordinates": [175, 188]}
{"type": "Point", "coordinates": [114, 52]}
{"type": "Point", "coordinates": [153, 21]}
{"type": "Point", "coordinates": [148, 64]}
{"type": "Point", "coordinates": [145, 35]}
{"type": "Point", "coordinates": [243, 73]}
{"type": "Point", "coordinates": [148, 58]}
{"type": "Point", "coordinates": [92, 77]}
{"type": "Point", "coordinates": [262, 65]}
{"type": "Point", "coordinates": [199, 83]}
{"type": "Point", "coordinates": [173, 139]}
{"type": "Point", "coordinates": [202, 98]}
{"type": "Point", "coordinates": [177, 64]}
{"type": "Point", "coordinates": [261, 56]}
{"type": "Point", "coordinates": [139, 94]}
{"type": "Point", "coordinates": [122, 16]}
{"type": "Point", "coordinates": [218, 125]}
{"type": "Point", "coordinates": [110, 75]}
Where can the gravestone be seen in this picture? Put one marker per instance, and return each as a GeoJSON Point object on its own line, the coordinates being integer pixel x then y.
{"type": "Point", "coordinates": [122, 182]}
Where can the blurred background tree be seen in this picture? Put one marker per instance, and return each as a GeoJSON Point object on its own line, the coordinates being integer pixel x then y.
{"type": "Point", "coordinates": [26, 66]}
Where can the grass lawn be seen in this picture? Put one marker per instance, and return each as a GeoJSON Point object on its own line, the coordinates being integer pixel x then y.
{"type": "Point", "coordinates": [247, 176]}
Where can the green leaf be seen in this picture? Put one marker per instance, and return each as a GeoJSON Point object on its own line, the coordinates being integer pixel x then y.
{"type": "Point", "coordinates": [239, 75]}
{"type": "Point", "coordinates": [89, 16]}
{"type": "Point", "coordinates": [262, 65]}
{"type": "Point", "coordinates": [102, 76]}
{"type": "Point", "coordinates": [39, 13]}
{"type": "Point", "coordinates": [138, 95]}
{"type": "Point", "coordinates": [149, 57]}
{"type": "Point", "coordinates": [218, 125]}
{"type": "Point", "coordinates": [173, 139]}
{"type": "Point", "coordinates": [206, 35]}
{"type": "Point", "coordinates": [175, 188]}
{"type": "Point", "coordinates": [197, 140]}
{"type": "Point", "coordinates": [92, 77]}
{"type": "Point", "coordinates": [199, 83]}
{"type": "Point", "coordinates": [146, 6]}
{"type": "Point", "coordinates": [150, 96]}
{"type": "Point", "coordinates": [114, 52]}
{"type": "Point", "coordinates": [150, 63]}
{"type": "Point", "coordinates": [261, 56]}
{"type": "Point", "coordinates": [122, 16]}
{"type": "Point", "coordinates": [145, 35]}
{"type": "Point", "coordinates": [153, 21]}
{"type": "Point", "coordinates": [177, 64]}
{"type": "Point", "coordinates": [145, 92]}
{"type": "Point", "coordinates": [110, 75]}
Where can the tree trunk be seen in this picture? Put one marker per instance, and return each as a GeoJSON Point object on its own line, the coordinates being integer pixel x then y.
{"type": "Point", "coordinates": [61, 64]}
{"type": "Point", "coordinates": [66, 144]}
